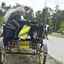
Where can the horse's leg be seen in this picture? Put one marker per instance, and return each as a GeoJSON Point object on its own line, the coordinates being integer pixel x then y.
{"type": "Point", "coordinates": [47, 36]}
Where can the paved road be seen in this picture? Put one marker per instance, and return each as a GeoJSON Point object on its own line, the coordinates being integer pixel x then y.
{"type": "Point", "coordinates": [56, 47]}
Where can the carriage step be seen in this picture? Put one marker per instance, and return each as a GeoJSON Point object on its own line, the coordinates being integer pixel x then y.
{"type": "Point", "coordinates": [22, 53]}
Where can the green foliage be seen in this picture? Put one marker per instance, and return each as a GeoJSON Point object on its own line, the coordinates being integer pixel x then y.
{"type": "Point", "coordinates": [61, 26]}
{"type": "Point", "coordinates": [57, 35]}
{"type": "Point", "coordinates": [58, 62]}
{"type": "Point", "coordinates": [1, 13]}
{"type": "Point", "coordinates": [51, 24]}
{"type": "Point", "coordinates": [39, 16]}
{"type": "Point", "coordinates": [1, 21]}
{"type": "Point", "coordinates": [61, 29]}
{"type": "Point", "coordinates": [29, 15]}
{"type": "Point", "coordinates": [56, 15]}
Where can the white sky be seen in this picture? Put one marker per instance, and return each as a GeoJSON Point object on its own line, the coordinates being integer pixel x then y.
{"type": "Point", "coordinates": [36, 4]}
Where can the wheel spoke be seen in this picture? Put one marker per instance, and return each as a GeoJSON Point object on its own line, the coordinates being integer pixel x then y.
{"type": "Point", "coordinates": [41, 55]}
{"type": "Point", "coordinates": [2, 56]}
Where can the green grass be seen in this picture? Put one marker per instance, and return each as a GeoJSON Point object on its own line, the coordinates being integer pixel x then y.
{"type": "Point", "coordinates": [0, 28]}
{"type": "Point", "coordinates": [29, 51]}
{"type": "Point", "coordinates": [59, 62]}
{"type": "Point", "coordinates": [57, 35]}
{"type": "Point", "coordinates": [12, 54]}
{"type": "Point", "coordinates": [7, 55]}
{"type": "Point", "coordinates": [0, 37]}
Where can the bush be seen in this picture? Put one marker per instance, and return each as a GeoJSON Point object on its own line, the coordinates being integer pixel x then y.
{"type": "Point", "coordinates": [61, 29]}
{"type": "Point", "coordinates": [61, 26]}
{"type": "Point", "coordinates": [62, 32]}
{"type": "Point", "coordinates": [1, 21]}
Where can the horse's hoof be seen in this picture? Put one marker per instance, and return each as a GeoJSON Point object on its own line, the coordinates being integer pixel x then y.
{"type": "Point", "coordinates": [47, 39]}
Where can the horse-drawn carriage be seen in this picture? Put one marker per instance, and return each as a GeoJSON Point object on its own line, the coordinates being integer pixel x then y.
{"type": "Point", "coordinates": [33, 40]}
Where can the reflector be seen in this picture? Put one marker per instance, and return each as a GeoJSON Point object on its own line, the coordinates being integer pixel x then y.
{"type": "Point", "coordinates": [36, 48]}
{"type": "Point", "coordinates": [11, 46]}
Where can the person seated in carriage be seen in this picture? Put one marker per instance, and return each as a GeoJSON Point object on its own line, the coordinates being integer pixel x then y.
{"type": "Point", "coordinates": [14, 24]}
{"type": "Point", "coordinates": [15, 28]}
{"type": "Point", "coordinates": [14, 14]}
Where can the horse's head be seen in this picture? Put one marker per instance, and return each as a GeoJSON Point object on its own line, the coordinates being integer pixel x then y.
{"type": "Point", "coordinates": [46, 27]}
{"type": "Point", "coordinates": [46, 30]}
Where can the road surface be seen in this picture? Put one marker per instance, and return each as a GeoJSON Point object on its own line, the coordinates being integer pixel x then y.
{"type": "Point", "coordinates": [55, 47]}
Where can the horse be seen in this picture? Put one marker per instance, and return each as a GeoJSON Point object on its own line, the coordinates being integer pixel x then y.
{"type": "Point", "coordinates": [46, 31]}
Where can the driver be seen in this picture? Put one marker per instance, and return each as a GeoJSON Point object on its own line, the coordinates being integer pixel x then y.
{"type": "Point", "coordinates": [14, 14]}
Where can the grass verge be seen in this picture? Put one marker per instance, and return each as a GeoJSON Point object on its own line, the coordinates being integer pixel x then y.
{"type": "Point", "coordinates": [0, 28]}
{"type": "Point", "coordinates": [57, 35]}
{"type": "Point", "coordinates": [59, 62]}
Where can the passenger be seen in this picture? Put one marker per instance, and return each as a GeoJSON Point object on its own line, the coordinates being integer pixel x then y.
{"type": "Point", "coordinates": [14, 14]}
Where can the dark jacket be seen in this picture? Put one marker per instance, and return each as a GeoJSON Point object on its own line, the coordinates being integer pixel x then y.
{"type": "Point", "coordinates": [14, 16]}
{"type": "Point", "coordinates": [12, 27]}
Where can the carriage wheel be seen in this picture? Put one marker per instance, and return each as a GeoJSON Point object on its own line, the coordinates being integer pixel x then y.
{"type": "Point", "coordinates": [42, 58]}
{"type": "Point", "coordinates": [2, 57]}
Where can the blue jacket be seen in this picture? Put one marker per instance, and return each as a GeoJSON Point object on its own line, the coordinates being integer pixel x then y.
{"type": "Point", "coordinates": [13, 27]}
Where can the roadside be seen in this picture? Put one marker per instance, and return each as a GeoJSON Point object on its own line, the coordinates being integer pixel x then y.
{"type": "Point", "coordinates": [55, 47]}
{"type": "Point", "coordinates": [25, 59]}
{"type": "Point", "coordinates": [1, 32]}
{"type": "Point", "coordinates": [57, 35]}
{"type": "Point", "coordinates": [1, 38]}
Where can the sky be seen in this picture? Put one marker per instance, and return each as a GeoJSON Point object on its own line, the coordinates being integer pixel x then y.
{"type": "Point", "coordinates": [36, 4]}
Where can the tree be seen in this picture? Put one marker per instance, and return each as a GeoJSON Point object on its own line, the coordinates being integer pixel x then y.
{"type": "Point", "coordinates": [5, 8]}
{"type": "Point", "coordinates": [1, 13]}
{"type": "Point", "coordinates": [56, 17]}
{"type": "Point", "coordinates": [29, 15]}
{"type": "Point", "coordinates": [38, 17]}
{"type": "Point", "coordinates": [1, 21]}
{"type": "Point", "coordinates": [46, 15]}
{"type": "Point", "coordinates": [2, 9]}
{"type": "Point", "coordinates": [43, 15]}
{"type": "Point", "coordinates": [3, 4]}
{"type": "Point", "coordinates": [51, 24]}
{"type": "Point", "coordinates": [61, 26]}
{"type": "Point", "coordinates": [17, 5]}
